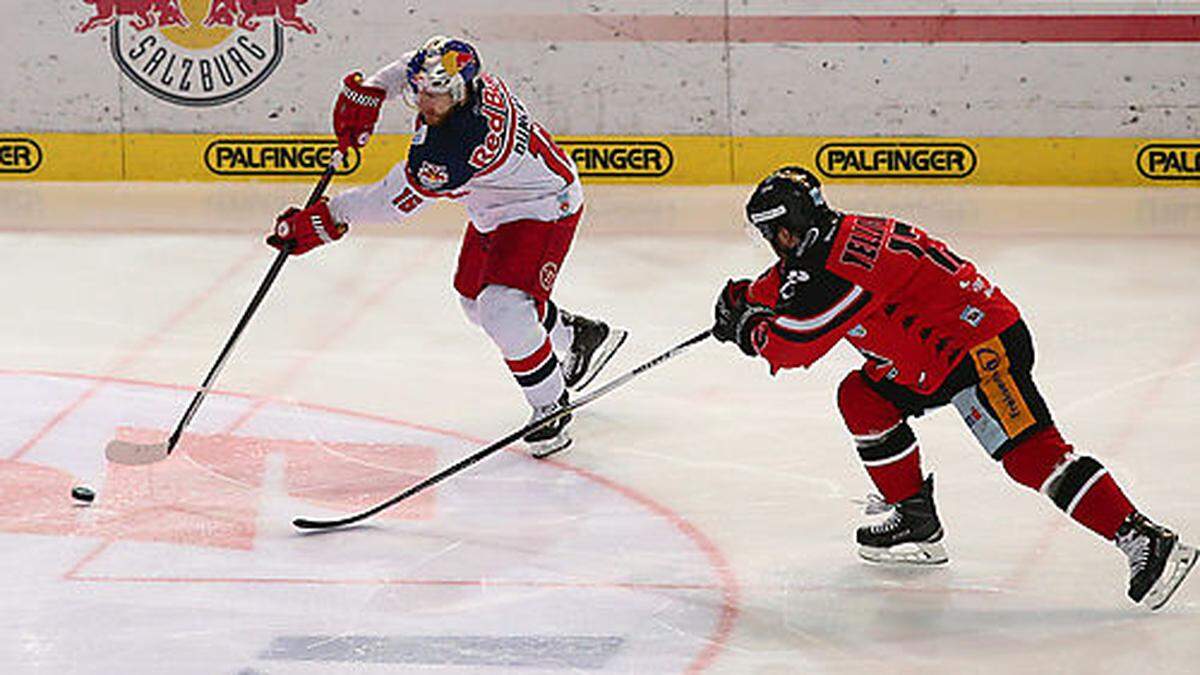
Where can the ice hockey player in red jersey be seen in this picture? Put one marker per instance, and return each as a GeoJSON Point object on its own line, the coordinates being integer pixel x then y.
{"type": "Point", "coordinates": [475, 142]}
{"type": "Point", "coordinates": [934, 331]}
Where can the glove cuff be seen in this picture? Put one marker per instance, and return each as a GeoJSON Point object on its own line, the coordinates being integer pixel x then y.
{"type": "Point", "coordinates": [747, 323]}
{"type": "Point", "coordinates": [361, 94]}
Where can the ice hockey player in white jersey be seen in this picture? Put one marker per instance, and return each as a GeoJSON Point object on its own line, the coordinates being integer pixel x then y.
{"type": "Point", "coordinates": [474, 142]}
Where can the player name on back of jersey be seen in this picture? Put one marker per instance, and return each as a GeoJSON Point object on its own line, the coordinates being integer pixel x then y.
{"type": "Point", "coordinates": [863, 242]}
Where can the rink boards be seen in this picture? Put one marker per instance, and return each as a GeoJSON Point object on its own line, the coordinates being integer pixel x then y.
{"type": "Point", "coordinates": [669, 160]}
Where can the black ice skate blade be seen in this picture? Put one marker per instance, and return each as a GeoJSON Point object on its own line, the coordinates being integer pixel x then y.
{"type": "Point", "coordinates": [1180, 562]}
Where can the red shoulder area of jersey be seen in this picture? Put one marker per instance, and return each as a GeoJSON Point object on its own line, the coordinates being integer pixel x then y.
{"type": "Point", "coordinates": [858, 243]}
{"type": "Point", "coordinates": [497, 107]}
{"type": "Point", "coordinates": [765, 289]}
{"type": "Point", "coordinates": [863, 254]}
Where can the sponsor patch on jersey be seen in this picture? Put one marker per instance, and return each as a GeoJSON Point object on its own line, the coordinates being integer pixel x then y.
{"type": "Point", "coordinates": [19, 155]}
{"type": "Point", "coordinates": [986, 429]}
{"type": "Point", "coordinates": [276, 157]}
{"type": "Point", "coordinates": [547, 275]}
{"type": "Point", "coordinates": [433, 176]}
{"type": "Point", "coordinates": [896, 160]}
{"type": "Point", "coordinates": [972, 315]}
{"type": "Point", "coordinates": [620, 159]}
{"type": "Point", "coordinates": [196, 52]}
{"type": "Point", "coordinates": [494, 106]}
{"type": "Point", "coordinates": [1170, 161]}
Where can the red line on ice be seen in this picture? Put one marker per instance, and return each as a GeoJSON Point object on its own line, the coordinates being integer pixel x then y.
{"type": "Point", "coordinates": [727, 582]}
{"type": "Point", "coordinates": [137, 351]}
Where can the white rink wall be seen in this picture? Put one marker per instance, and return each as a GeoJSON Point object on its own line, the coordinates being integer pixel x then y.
{"type": "Point", "coordinates": [649, 68]}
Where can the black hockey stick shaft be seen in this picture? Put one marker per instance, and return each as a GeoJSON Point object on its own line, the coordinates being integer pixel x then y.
{"type": "Point", "coordinates": [311, 524]}
{"type": "Point", "coordinates": [317, 192]}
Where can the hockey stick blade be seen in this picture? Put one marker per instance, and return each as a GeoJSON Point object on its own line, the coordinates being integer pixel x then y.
{"type": "Point", "coordinates": [315, 524]}
{"type": "Point", "coordinates": [124, 452]}
{"type": "Point", "coordinates": [133, 454]}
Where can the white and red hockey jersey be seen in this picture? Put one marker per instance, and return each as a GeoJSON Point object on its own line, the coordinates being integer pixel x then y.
{"type": "Point", "coordinates": [489, 154]}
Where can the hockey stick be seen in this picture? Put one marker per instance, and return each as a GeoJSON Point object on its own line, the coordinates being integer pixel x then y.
{"type": "Point", "coordinates": [125, 452]}
{"type": "Point", "coordinates": [314, 524]}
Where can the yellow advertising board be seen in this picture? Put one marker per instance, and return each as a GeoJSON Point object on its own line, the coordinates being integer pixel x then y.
{"type": "Point", "coordinates": [669, 160]}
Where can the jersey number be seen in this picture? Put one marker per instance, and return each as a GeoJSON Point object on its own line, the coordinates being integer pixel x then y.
{"type": "Point", "coordinates": [905, 239]}
{"type": "Point", "coordinates": [552, 156]}
{"type": "Point", "coordinates": [407, 200]}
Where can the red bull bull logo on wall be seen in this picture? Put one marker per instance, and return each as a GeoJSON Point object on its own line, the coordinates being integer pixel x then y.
{"type": "Point", "coordinates": [197, 52]}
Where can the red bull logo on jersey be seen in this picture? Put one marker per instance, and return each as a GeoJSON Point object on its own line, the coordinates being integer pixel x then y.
{"type": "Point", "coordinates": [433, 176]}
{"type": "Point", "coordinates": [196, 52]}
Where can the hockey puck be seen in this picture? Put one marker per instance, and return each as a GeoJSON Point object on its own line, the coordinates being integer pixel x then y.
{"type": "Point", "coordinates": [83, 494]}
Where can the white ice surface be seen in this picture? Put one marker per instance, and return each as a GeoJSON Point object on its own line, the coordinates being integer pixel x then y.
{"type": "Point", "coordinates": [704, 520]}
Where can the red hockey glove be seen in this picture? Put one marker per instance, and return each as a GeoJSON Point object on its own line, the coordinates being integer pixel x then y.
{"type": "Point", "coordinates": [356, 112]}
{"type": "Point", "coordinates": [736, 320]}
{"type": "Point", "coordinates": [301, 230]}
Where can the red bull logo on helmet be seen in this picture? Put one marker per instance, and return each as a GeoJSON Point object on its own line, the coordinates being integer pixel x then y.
{"type": "Point", "coordinates": [454, 61]}
{"type": "Point", "coordinates": [196, 52]}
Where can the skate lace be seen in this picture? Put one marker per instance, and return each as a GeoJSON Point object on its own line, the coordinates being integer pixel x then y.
{"type": "Point", "coordinates": [874, 505]}
{"type": "Point", "coordinates": [543, 411]}
{"type": "Point", "coordinates": [1137, 548]}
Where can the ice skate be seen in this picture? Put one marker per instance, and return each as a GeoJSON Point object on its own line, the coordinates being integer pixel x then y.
{"type": "Point", "coordinates": [910, 535]}
{"type": "Point", "coordinates": [592, 347]}
{"type": "Point", "coordinates": [552, 438]}
{"type": "Point", "coordinates": [1158, 561]}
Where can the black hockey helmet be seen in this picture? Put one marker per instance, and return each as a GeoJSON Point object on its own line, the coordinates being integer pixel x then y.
{"type": "Point", "coordinates": [790, 198]}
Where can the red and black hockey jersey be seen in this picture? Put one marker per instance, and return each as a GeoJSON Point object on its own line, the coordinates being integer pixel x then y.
{"type": "Point", "coordinates": [911, 306]}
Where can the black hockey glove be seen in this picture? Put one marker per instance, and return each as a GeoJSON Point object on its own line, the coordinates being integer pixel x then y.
{"type": "Point", "coordinates": [736, 319]}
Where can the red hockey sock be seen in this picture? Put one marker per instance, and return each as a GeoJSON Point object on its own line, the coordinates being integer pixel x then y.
{"type": "Point", "coordinates": [897, 477]}
{"type": "Point", "coordinates": [886, 444]}
{"type": "Point", "coordinates": [1077, 484]}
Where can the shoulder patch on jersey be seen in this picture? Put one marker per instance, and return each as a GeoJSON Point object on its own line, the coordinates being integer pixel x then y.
{"type": "Point", "coordinates": [419, 135]}
{"type": "Point", "coordinates": [433, 176]}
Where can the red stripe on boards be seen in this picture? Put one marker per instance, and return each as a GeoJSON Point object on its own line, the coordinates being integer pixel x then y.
{"type": "Point", "coordinates": [851, 29]}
